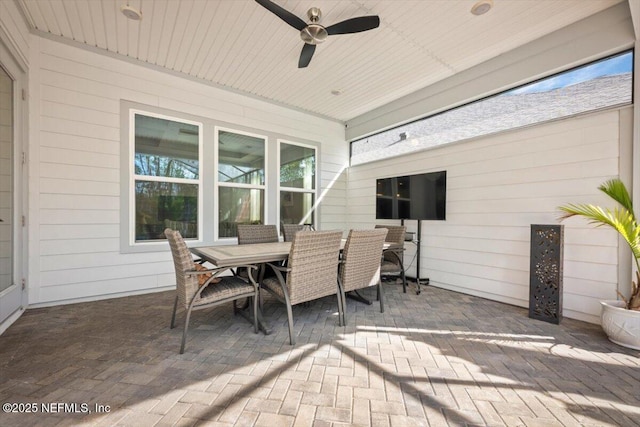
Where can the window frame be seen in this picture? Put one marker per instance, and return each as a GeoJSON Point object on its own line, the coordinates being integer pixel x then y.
{"type": "Point", "coordinates": [313, 191]}
{"type": "Point", "coordinates": [133, 178]}
{"type": "Point", "coordinates": [217, 184]}
{"type": "Point", "coordinates": [404, 133]}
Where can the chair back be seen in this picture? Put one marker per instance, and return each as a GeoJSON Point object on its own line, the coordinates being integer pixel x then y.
{"type": "Point", "coordinates": [289, 230]}
{"type": "Point", "coordinates": [313, 260]}
{"type": "Point", "coordinates": [395, 233]}
{"type": "Point", "coordinates": [361, 257]}
{"type": "Point", "coordinates": [186, 284]}
{"type": "Point", "coordinates": [257, 233]}
{"type": "Point", "coordinates": [395, 236]}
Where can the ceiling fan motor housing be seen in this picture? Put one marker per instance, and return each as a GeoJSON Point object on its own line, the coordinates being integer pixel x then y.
{"type": "Point", "coordinates": [313, 34]}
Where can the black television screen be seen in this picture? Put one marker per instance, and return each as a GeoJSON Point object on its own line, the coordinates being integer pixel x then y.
{"type": "Point", "coordinates": [421, 196]}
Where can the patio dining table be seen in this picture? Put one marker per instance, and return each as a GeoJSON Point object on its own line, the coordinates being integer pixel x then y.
{"type": "Point", "coordinates": [253, 254]}
{"type": "Point", "coordinates": [247, 254]}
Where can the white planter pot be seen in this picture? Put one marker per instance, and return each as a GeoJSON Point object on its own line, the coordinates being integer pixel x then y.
{"type": "Point", "coordinates": [622, 326]}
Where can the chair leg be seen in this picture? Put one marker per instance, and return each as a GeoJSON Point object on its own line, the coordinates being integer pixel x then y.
{"type": "Point", "coordinates": [381, 296]}
{"type": "Point", "coordinates": [342, 299]}
{"type": "Point", "coordinates": [344, 308]}
{"type": "Point", "coordinates": [173, 316]}
{"type": "Point", "coordinates": [340, 308]}
{"type": "Point", "coordinates": [292, 340]}
{"type": "Point", "coordinates": [255, 313]}
{"type": "Point", "coordinates": [341, 304]}
{"type": "Point", "coordinates": [404, 282]}
{"type": "Point", "coordinates": [184, 333]}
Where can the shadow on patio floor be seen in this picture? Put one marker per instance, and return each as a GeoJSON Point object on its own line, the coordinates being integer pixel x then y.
{"type": "Point", "coordinates": [438, 358]}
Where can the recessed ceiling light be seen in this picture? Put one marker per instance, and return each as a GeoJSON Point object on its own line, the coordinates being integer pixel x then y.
{"type": "Point", "coordinates": [482, 7]}
{"type": "Point", "coordinates": [131, 12]}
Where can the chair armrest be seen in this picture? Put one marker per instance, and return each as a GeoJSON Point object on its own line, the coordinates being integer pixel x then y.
{"type": "Point", "coordinates": [216, 271]}
{"type": "Point", "coordinates": [279, 267]}
{"type": "Point", "coordinates": [216, 275]}
{"type": "Point", "coordinates": [279, 270]}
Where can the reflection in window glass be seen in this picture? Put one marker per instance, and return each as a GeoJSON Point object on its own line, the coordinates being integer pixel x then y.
{"type": "Point", "coordinates": [164, 204]}
{"type": "Point", "coordinates": [297, 183]}
{"type": "Point", "coordinates": [602, 84]}
{"type": "Point", "coordinates": [296, 207]}
{"type": "Point", "coordinates": [241, 181]}
{"type": "Point", "coordinates": [165, 148]}
{"type": "Point", "coordinates": [240, 158]}
{"type": "Point", "coordinates": [239, 206]}
{"type": "Point", "coordinates": [166, 177]}
{"type": "Point", "coordinates": [297, 166]}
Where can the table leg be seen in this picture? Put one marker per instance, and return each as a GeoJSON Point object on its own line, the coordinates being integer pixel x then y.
{"type": "Point", "coordinates": [245, 311]}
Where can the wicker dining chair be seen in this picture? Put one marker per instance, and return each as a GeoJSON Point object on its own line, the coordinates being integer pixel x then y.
{"type": "Point", "coordinates": [311, 272]}
{"type": "Point", "coordinates": [289, 230]}
{"type": "Point", "coordinates": [215, 290]}
{"type": "Point", "coordinates": [257, 233]}
{"type": "Point", "coordinates": [392, 258]}
{"type": "Point", "coordinates": [360, 264]}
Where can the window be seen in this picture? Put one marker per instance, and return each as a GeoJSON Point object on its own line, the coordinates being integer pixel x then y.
{"type": "Point", "coordinates": [166, 176]}
{"type": "Point", "coordinates": [297, 183]}
{"type": "Point", "coordinates": [241, 181]}
{"type": "Point", "coordinates": [203, 177]}
{"type": "Point", "coordinates": [601, 84]}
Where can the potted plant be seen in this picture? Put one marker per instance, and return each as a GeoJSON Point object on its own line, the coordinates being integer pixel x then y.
{"type": "Point", "coordinates": [620, 319]}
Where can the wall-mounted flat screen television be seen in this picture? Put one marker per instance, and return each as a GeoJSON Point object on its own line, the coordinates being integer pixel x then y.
{"type": "Point", "coordinates": [421, 196]}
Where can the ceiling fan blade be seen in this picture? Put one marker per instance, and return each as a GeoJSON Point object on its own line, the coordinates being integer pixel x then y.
{"type": "Point", "coordinates": [283, 14]}
{"type": "Point", "coordinates": [306, 55]}
{"type": "Point", "coordinates": [354, 25]}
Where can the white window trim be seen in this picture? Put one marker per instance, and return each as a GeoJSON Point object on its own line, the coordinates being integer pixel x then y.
{"type": "Point", "coordinates": [133, 177]}
{"type": "Point", "coordinates": [280, 188]}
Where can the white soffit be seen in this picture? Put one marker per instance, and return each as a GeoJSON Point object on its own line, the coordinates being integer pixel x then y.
{"type": "Point", "coordinates": [240, 45]}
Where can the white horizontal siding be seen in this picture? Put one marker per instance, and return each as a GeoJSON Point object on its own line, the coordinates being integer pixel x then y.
{"type": "Point", "coordinates": [497, 187]}
{"type": "Point", "coordinates": [75, 144]}
{"type": "Point", "coordinates": [99, 289]}
{"type": "Point", "coordinates": [78, 246]}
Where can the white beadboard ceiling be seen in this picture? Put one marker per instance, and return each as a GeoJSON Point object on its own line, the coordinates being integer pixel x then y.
{"type": "Point", "coordinates": [240, 45]}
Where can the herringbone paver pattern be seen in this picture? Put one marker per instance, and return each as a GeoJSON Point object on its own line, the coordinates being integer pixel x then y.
{"type": "Point", "coordinates": [435, 359]}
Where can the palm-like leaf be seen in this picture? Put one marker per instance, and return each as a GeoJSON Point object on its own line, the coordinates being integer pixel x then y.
{"type": "Point", "coordinates": [616, 189]}
{"type": "Point", "coordinates": [622, 219]}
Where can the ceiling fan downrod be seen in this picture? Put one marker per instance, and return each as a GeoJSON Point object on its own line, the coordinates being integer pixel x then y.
{"type": "Point", "coordinates": [314, 33]}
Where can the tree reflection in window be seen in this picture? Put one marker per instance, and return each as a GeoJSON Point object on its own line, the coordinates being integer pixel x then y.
{"type": "Point", "coordinates": [167, 172]}
{"type": "Point", "coordinates": [241, 181]}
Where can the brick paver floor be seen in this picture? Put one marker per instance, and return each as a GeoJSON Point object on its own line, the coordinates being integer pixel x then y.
{"type": "Point", "coordinates": [435, 359]}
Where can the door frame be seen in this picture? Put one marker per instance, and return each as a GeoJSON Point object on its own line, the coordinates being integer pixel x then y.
{"type": "Point", "coordinates": [17, 71]}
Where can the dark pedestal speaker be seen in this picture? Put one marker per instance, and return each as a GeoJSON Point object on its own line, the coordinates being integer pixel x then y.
{"type": "Point", "coordinates": [545, 274]}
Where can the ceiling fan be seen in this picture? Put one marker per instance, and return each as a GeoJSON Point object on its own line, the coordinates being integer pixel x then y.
{"type": "Point", "coordinates": [313, 33]}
